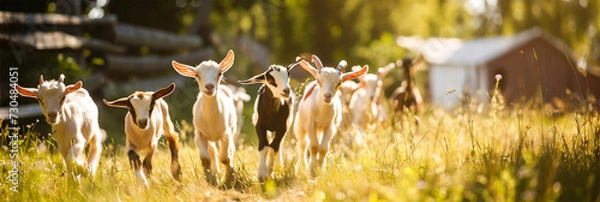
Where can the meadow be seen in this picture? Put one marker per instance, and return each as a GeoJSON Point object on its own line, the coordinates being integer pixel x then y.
{"type": "Point", "coordinates": [521, 152]}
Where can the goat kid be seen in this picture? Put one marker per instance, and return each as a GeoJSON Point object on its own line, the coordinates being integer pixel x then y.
{"type": "Point", "coordinates": [148, 117]}
{"type": "Point", "coordinates": [320, 110]}
{"type": "Point", "coordinates": [365, 103]}
{"type": "Point", "coordinates": [407, 97]}
{"type": "Point", "coordinates": [73, 115]}
{"type": "Point", "coordinates": [239, 97]}
{"type": "Point", "coordinates": [346, 129]}
{"type": "Point", "coordinates": [272, 114]}
{"type": "Point", "coordinates": [215, 119]}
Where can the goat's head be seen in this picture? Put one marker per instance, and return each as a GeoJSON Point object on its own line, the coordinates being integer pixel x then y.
{"type": "Point", "coordinates": [141, 104]}
{"type": "Point", "coordinates": [51, 96]}
{"type": "Point", "coordinates": [347, 88]}
{"type": "Point", "coordinates": [329, 79]}
{"type": "Point", "coordinates": [276, 78]}
{"type": "Point", "coordinates": [374, 82]}
{"type": "Point", "coordinates": [208, 74]}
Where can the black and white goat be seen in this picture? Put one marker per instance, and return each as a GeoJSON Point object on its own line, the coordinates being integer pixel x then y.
{"type": "Point", "coordinates": [272, 114]}
{"type": "Point", "coordinates": [147, 119]}
{"type": "Point", "coordinates": [320, 110]}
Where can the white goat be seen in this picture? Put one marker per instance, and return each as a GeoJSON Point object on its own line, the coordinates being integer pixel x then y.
{"type": "Point", "coordinates": [347, 88]}
{"type": "Point", "coordinates": [346, 128]}
{"type": "Point", "coordinates": [272, 114]}
{"type": "Point", "coordinates": [365, 104]}
{"type": "Point", "coordinates": [319, 110]}
{"type": "Point", "coordinates": [214, 115]}
{"type": "Point", "coordinates": [74, 119]}
{"type": "Point", "coordinates": [239, 97]}
{"type": "Point", "coordinates": [147, 119]}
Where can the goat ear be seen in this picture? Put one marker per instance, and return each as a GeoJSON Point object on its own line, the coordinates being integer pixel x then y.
{"type": "Point", "coordinates": [309, 68]}
{"type": "Point", "coordinates": [355, 74]}
{"type": "Point", "coordinates": [227, 62]}
{"type": "Point", "coordinates": [310, 91]}
{"type": "Point", "coordinates": [41, 79]}
{"type": "Point", "coordinates": [160, 93]}
{"type": "Point", "coordinates": [255, 79]}
{"type": "Point", "coordinates": [382, 71]}
{"type": "Point", "coordinates": [342, 65]}
{"type": "Point", "coordinates": [121, 102]}
{"type": "Point", "coordinates": [317, 62]}
{"type": "Point", "coordinates": [27, 92]}
{"type": "Point", "coordinates": [73, 87]}
{"type": "Point", "coordinates": [184, 70]}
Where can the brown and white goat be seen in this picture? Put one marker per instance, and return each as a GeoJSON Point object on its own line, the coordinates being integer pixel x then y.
{"type": "Point", "coordinates": [215, 119]}
{"type": "Point", "coordinates": [74, 119]}
{"type": "Point", "coordinates": [320, 111]}
{"type": "Point", "coordinates": [147, 119]}
{"type": "Point", "coordinates": [407, 96]}
{"type": "Point", "coordinates": [272, 114]}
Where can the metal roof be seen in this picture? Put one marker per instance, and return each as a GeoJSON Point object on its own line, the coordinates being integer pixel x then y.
{"type": "Point", "coordinates": [456, 52]}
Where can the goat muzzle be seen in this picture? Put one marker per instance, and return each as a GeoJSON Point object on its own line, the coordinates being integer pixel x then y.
{"type": "Point", "coordinates": [286, 93]}
{"type": "Point", "coordinates": [209, 89]}
{"type": "Point", "coordinates": [52, 117]}
{"type": "Point", "coordinates": [142, 123]}
{"type": "Point", "coordinates": [327, 97]}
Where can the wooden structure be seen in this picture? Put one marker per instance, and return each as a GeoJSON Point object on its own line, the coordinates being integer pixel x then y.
{"type": "Point", "coordinates": [116, 44]}
{"type": "Point", "coordinates": [528, 61]}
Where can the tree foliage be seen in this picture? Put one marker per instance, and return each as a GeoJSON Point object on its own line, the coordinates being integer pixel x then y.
{"type": "Point", "coordinates": [364, 31]}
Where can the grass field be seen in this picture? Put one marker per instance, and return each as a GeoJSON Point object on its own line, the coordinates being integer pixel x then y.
{"type": "Point", "coordinates": [524, 153]}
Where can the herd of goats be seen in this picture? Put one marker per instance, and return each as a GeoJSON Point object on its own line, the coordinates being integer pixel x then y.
{"type": "Point", "coordinates": [73, 115]}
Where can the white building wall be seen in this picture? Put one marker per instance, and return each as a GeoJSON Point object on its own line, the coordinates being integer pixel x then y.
{"type": "Point", "coordinates": [444, 79]}
{"type": "Point", "coordinates": [482, 83]}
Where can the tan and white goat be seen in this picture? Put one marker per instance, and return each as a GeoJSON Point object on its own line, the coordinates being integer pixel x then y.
{"type": "Point", "coordinates": [215, 119]}
{"type": "Point", "coordinates": [365, 105]}
{"type": "Point", "coordinates": [320, 111]}
{"type": "Point", "coordinates": [74, 119]}
{"type": "Point", "coordinates": [148, 118]}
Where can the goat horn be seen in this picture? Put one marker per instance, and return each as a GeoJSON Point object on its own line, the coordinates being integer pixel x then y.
{"type": "Point", "coordinates": [342, 65]}
{"type": "Point", "coordinates": [61, 78]}
{"type": "Point", "coordinates": [317, 62]}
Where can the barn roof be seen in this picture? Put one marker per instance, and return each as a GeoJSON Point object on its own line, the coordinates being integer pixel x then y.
{"type": "Point", "coordinates": [456, 52]}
